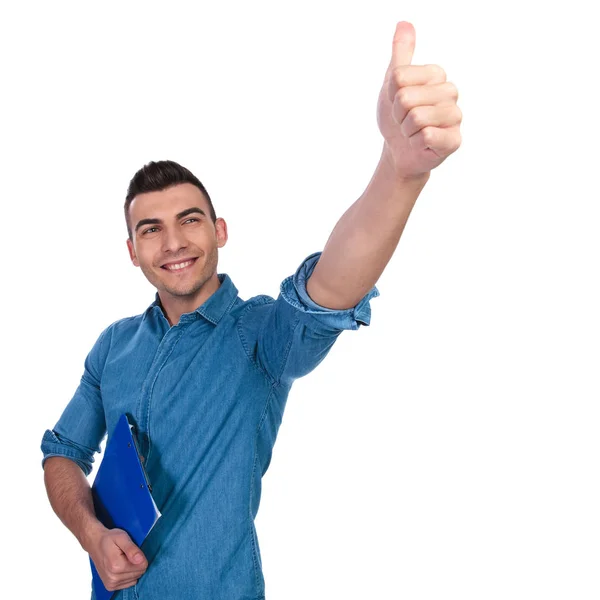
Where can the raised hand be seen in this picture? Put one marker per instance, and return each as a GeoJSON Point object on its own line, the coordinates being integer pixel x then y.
{"type": "Point", "coordinates": [417, 112]}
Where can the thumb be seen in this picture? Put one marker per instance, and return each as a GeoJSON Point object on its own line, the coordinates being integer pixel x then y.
{"type": "Point", "coordinates": [132, 552]}
{"type": "Point", "coordinates": [403, 46]}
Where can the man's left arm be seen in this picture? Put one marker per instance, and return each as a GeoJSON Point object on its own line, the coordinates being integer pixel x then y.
{"type": "Point", "coordinates": [420, 121]}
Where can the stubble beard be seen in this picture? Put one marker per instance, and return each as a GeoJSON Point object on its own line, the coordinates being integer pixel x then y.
{"type": "Point", "coordinates": [194, 287]}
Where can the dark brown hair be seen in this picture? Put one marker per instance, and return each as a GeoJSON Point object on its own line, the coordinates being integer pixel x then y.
{"type": "Point", "coordinates": [157, 176]}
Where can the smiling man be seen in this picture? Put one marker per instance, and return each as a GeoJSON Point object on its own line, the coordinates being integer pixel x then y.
{"type": "Point", "coordinates": [174, 236]}
{"type": "Point", "coordinates": [205, 375]}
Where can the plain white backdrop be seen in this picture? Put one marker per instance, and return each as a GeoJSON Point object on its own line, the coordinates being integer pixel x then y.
{"type": "Point", "coordinates": [449, 450]}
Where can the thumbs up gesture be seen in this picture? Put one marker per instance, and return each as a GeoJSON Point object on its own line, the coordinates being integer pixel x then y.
{"type": "Point", "coordinates": [417, 112]}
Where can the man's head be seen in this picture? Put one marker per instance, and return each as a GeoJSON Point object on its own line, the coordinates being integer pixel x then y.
{"type": "Point", "coordinates": [174, 234]}
{"type": "Point", "coordinates": [157, 176]}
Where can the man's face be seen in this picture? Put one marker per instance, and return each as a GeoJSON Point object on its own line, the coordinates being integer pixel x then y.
{"type": "Point", "coordinates": [173, 242]}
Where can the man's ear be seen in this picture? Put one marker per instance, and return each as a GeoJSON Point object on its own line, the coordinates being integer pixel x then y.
{"type": "Point", "coordinates": [132, 254]}
{"type": "Point", "coordinates": [221, 232]}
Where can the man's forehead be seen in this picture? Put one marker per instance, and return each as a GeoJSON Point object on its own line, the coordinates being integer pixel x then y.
{"type": "Point", "coordinates": [168, 202]}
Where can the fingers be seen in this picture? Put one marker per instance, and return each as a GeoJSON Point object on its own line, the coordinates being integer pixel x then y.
{"type": "Point", "coordinates": [418, 75]}
{"type": "Point", "coordinates": [430, 116]}
{"type": "Point", "coordinates": [120, 576]}
{"type": "Point", "coordinates": [119, 573]}
{"type": "Point", "coordinates": [413, 75]}
{"type": "Point", "coordinates": [114, 586]}
{"type": "Point", "coordinates": [410, 97]}
{"type": "Point", "coordinates": [442, 142]}
{"type": "Point", "coordinates": [122, 567]}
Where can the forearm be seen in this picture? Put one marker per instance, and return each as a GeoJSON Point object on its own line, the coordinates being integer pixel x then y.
{"type": "Point", "coordinates": [70, 496]}
{"type": "Point", "coordinates": [364, 239]}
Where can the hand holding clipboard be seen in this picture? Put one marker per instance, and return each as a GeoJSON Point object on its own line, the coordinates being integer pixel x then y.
{"type": "Point", "coordinates": [117, 563]}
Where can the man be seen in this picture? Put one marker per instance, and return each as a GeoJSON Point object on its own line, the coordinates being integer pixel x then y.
{"type": "Point", "coordinates": [206, 375]}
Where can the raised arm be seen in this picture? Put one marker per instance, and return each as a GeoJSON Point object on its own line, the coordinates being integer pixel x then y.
{"type": "Point", "coordinates": [420, 121]}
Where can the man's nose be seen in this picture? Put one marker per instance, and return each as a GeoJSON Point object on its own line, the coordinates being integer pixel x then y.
{"type": "Point", "coordinates": [173, 240]}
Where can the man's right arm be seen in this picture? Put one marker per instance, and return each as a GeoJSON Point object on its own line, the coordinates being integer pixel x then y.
{"type": "Point", "coordinates": [70, 496]}
{"type": "Point", "coordinates": [69, 451]}
{"type": "Point", "coordinates": [120, 563]}
{"type": "Point", "coordinates": [70, 446]}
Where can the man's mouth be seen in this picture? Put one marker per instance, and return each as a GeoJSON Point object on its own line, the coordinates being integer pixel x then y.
{"type": "Point", "coordinates": [179, 266]}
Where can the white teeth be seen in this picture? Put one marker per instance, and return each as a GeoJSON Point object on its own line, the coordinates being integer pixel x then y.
{"type": "Point", "coordinates": [179, 265]}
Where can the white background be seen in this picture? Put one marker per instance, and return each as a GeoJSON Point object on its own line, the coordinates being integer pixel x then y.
{"type": "Point", "coordinates": [449, 450]}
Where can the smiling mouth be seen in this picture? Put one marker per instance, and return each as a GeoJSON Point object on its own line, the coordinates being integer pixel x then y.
{"type": "Point", "coordinates": [179, 267]}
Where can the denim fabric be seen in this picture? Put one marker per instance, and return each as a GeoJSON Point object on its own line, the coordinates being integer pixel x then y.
{"type": "Point", "coordinates": [207, 398]}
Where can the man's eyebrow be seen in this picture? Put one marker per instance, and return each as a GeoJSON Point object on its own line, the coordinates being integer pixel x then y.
{"type": "Point", "coordinates": [147, 222]}
{"type": "Point", "coordinates": [183, 213]}
{"type": "Point", "coordinates": [189, 211]}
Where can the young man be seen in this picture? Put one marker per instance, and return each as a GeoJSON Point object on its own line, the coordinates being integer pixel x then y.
{"type": "Point", "coordinates": [205, 375]}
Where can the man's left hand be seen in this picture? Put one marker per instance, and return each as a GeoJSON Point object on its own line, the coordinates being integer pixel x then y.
{"type": "Point", "coordinates": [416, 112]}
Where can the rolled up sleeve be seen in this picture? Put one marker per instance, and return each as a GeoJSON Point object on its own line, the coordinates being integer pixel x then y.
{"type": "Point", "coordinates": [298, 333]}
{"type": "Point", "coordinates": [320, 318]}
{"type": "Point", "coordinates": [82, 425]}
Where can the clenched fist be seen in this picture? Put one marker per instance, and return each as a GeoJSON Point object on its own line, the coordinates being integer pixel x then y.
{"type": "Point", "coordinates": [417, 112]}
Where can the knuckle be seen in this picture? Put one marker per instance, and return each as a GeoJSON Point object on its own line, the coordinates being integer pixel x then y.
{"type": "Point", "coordinates": [459, 115]}
{"type": "Point", "coordinates": [452, 90]}
{"type": "Point", "coordinates": [437, 72]}
{"type": "Point", "coordinates": [111, 584]}
{"type": "Point", "coordinates": [418, 116]}
{"type": "Point", "coordinates": [400, 76]}
{"type": "Point", "coordinates": [403, 96]}
{"type": "Point", "coordinates": [457, 143]}
{"type": "Point", "coordinates": [121, 536]}
{"type": "Point", "coordinates": [428, 136]}
{"type": "Point", "coordinates": [113, 566]}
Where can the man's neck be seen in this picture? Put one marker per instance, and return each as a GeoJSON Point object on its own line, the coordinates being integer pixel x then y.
{"type": "Point", "coordinates": [175, 306]}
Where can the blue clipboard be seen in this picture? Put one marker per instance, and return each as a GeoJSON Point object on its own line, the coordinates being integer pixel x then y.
{"type": "Point", "coordinates": [122, 493]}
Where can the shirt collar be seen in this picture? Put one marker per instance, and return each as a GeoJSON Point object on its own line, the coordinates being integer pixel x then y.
{"type": "Point", "coordinates": [218, 304]}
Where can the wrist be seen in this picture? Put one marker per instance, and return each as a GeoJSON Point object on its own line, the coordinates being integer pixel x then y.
{"type": "Point", "coordinates": [388, 164]}
{"type": "Point", "coordinates": [91, 533]}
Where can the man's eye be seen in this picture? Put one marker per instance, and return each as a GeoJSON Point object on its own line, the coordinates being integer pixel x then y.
{"type": "Point", "coordinates": [191, 220]}
{"type": "Point", "coordinates": [150, 230]}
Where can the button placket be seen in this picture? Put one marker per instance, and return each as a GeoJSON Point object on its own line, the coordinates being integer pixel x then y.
{"type": "Point", "coordinates": [163, 352]}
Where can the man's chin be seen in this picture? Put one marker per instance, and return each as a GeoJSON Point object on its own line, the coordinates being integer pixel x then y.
{"type": "Point", "coordinates": [183, 292]}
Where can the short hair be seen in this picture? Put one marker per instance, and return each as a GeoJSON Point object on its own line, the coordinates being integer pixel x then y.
{"type": "Point", "coordinates": [160, 175]}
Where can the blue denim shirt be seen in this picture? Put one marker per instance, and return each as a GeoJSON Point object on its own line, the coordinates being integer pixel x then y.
{"type": "Point", "coordinates": [207, 398]}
